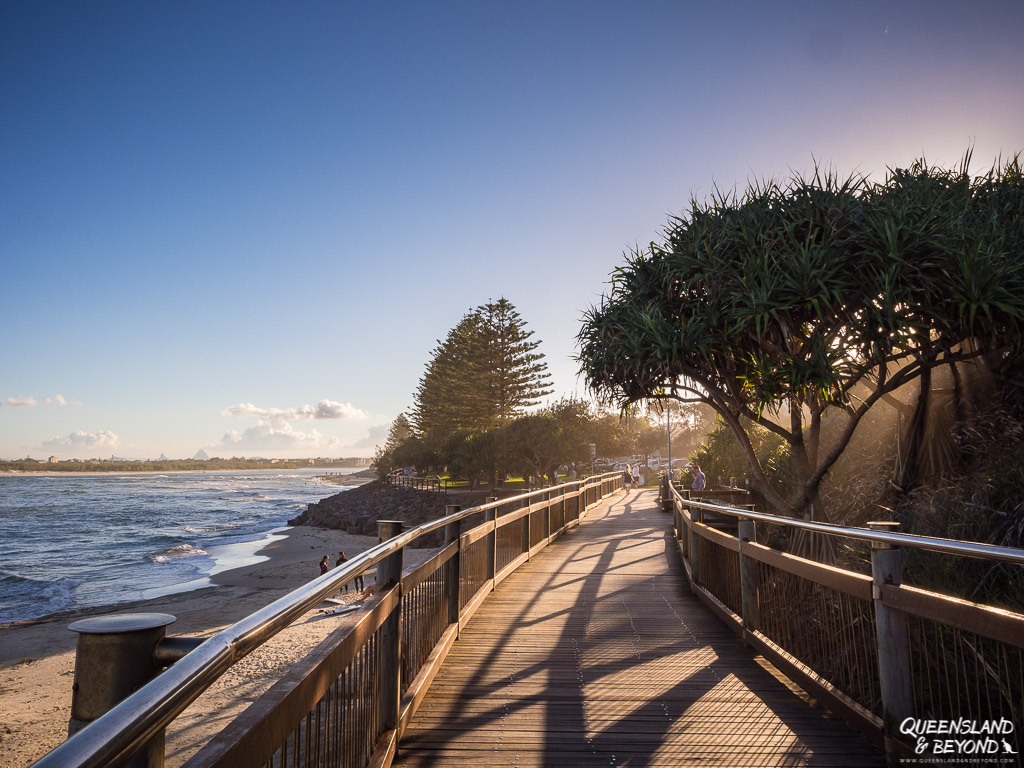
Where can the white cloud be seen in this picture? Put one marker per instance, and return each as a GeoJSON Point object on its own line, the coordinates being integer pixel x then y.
{"type": "Point", "coordinates": [274, 431]}
{"type": "Point", "coordinates": [31, 401]}
{"type": "Point", "coordinates": [88, 441]}
{"type": "Point", "coordinates": [325, 409]}
{"type": "Point", "coordinates": [376, 435]}
{"type": "Point", "coordinates": [328, 409]}
{"type": "Point", "coordinates": [270, 436]}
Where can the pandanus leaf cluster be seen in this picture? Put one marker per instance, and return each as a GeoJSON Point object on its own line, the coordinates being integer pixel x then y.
{"type": "Point", "coordinates": [792, 298]}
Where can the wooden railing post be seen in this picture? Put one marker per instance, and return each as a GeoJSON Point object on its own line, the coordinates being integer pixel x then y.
{"type": "Point", "coordinates": [748, 580]}
{"type": "Point", "coordinates": [677, 519]}
{"type": "Point", "coordinates": [696, 515]}
{"type": "Point", "coordinates": [492, 540]}
{"type": "Point", "coordinates": [891, 636]}
{"type": "Point", "coordinates": [452, 533]}
{"type": "Point", "coordinates": [546, 496]}
{"type": "Point", "coordinates": [666, 494]}
{"type": "Point", "coordinates": [526, 527]}
{"type": "Point", "coordinates": [389, 574]}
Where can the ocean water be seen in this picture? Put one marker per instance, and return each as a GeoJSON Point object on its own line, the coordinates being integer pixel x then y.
{"type": "Point", "coordinates": [71, 542]}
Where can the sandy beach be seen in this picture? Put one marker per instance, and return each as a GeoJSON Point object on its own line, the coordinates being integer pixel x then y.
{"type": "Point", "coordinates": [37, 658]}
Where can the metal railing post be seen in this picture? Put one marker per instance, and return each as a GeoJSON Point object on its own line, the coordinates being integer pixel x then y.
{"type": "Point", "coordinates": [389, 574]}
{"type": "Point", "coordinates": [452, 533]}
{"type": "Point", "coordinates": [891, 637]}
{"type": "Point", "coordinates": [748, 580]}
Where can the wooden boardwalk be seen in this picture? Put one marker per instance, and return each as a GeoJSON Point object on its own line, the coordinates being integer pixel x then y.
{"type": "Point", "coordinates": [595, 653]}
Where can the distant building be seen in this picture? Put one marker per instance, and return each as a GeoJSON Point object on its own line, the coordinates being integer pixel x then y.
{"type": "Point", "coordinates": [53, 459]}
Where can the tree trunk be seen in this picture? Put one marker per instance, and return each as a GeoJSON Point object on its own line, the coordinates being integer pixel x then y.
{"type": "Point", "coordinates": [908, 471]}
{"type": "Point", "coordinates": [812, 545]}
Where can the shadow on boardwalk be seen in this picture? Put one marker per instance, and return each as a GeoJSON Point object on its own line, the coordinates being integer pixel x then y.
{"type": "Point", "coordinates": [595, 653]}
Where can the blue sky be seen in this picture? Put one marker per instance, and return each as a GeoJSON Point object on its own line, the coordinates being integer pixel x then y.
{"type": "Point", "coordinates": [243, 227]}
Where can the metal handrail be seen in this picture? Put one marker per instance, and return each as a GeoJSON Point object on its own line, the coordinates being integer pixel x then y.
{"type": "Point", "coordinates": [125, 729]}
{"type": "Point", "coordinates": [931, 543]}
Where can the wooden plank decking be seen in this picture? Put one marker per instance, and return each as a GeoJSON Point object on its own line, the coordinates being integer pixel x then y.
{"type": "Point", "coordinates": [595, 653]}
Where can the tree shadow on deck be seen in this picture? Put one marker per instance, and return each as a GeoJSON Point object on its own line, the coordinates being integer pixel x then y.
{"type": "Point", "coordinates": [636, 672]}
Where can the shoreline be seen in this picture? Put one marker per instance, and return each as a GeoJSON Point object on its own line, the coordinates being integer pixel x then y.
{"type": "Point", "coordinates": [37, 656]}
{"type": "Point", "coordinates": [143, 472]}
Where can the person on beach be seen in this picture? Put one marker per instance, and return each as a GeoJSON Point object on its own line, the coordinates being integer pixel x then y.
{"type": "Point", "coordinates": [357, 581]}
{"type": "Point", "coordinates": [338, 563]}
{"type": "Point", "coordinates": [325, 565]}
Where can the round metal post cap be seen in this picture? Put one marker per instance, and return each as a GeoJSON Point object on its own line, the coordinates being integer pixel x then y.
{"type": "Point", "coordinates": [121, 622]}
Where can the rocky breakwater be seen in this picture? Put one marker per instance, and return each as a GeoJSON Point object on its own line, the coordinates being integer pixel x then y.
{"type": "Point", "coordinates": [357, 510]}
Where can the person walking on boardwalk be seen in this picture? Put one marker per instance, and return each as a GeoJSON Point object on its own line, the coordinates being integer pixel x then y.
{"type": "Point", "coordinates": [698, 479]}
{"type": "Point", "coordinates": [627, 478]}
{"type": "Point", "coordinates": [636, 475]}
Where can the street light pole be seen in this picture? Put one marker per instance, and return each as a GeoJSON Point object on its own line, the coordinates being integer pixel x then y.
{"type": "Point", "coordinates": [668, 430]}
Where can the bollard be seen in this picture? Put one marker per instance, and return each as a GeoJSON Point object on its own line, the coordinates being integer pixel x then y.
{"type": "Point", "coordinates": [891, 635]}
{"type": "Point", "coordinates": [113, 659]}
{"type": "Point", "coordinates": [389, 574]}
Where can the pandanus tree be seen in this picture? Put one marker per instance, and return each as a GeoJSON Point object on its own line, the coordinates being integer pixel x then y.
{"type": "Point", "coordinates": [815, 298]}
